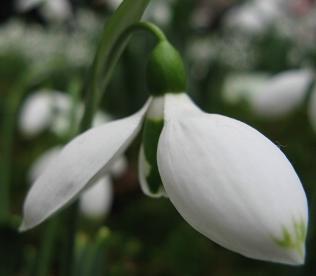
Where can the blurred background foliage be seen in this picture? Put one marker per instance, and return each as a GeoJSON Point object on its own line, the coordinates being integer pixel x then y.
{"type": "Point", "coordinates": [43, 46]}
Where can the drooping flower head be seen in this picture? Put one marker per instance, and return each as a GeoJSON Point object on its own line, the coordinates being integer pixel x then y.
{"type": "Point", "coordinates": [227, 180]}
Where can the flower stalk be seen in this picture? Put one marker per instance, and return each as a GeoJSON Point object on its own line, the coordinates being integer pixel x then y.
{"type": "Point", "coordinates": [8, 127]}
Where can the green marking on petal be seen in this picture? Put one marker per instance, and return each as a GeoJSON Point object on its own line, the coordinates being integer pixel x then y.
{"type": "Point", "coordinates": [293, 241]}
{"type": "Point", "coordinates": [151, 133]}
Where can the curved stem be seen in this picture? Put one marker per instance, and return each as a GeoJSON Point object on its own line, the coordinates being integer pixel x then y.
{"type": "Point", "coordinates": [146, 26]}
{"type": "Point", "coordinates": [106, 69]}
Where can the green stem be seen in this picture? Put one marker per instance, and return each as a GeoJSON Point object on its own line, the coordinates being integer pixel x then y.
{"type": "Point", "coordinates": [94, 259]}
{"type": "Point", "coordinates": [8, 128]}
{"type": "Point", "coordinates": [45, 254]}
{"type": "Point", "coordinates": [106, 69]}
{"type": "Point", "coordinates": [72, 215]}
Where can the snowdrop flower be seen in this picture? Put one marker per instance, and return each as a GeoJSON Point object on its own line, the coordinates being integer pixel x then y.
{"type": "Point", "coordinates": [49, 109]}
{"type": "Point", "coordinates": [242, 86]}
{"type": "Point", "coordinates": [282, 94]}
{"type": "Point", "coordinates": [226, 179]}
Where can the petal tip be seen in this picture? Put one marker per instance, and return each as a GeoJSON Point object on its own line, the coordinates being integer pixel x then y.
{"type": "Point", "coordinates": [297, 259]}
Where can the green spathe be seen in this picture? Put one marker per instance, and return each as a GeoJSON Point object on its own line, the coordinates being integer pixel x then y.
{"type": "Point", "coordinates": [165, 70]}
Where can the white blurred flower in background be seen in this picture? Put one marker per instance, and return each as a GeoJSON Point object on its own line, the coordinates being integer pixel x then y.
{"type": "Point", "coordinates": [269, 97]}
{"type": "Point", "coordinates": [52, 110]}
{"type": "Point", "coordinates": [96, 202]}
{"type": "Point", "coordinates": [282, 94]}
{"type": "Point", "coordinates": [254, 16]}
{"type": "Point", "coordinates": [42, 109]}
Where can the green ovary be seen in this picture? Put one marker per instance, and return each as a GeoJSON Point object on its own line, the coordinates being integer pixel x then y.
{"type": "Point", "coordinates": [151, 133]}
{"type": "Point", "coordinates": [294, 241]}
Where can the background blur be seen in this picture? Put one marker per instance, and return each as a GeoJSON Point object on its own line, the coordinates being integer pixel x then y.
{"type": "Point", "coordinates": [232, 49]}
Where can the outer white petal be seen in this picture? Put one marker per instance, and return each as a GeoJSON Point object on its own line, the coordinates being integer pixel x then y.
{"type": "Point", "coordinates": [79, 164]}
{"type": "Point", "coordinates": [95, 203]}
{"type": "Point", "coordinates": [282, 94]}
{"type": "Point", "coordinates": [231, 183]}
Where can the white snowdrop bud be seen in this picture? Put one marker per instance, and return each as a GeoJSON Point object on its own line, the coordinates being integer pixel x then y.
{"type": "Point", "coordinates": [39, 109]}
{"type": "Point", "coordinates": [96, 201]}
{"type": "Point", "coordinates": [282, 94]}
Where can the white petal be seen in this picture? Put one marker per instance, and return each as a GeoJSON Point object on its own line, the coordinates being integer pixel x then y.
{"type": "Point", "coordinates": [96, 201]}
{"type": "Point", "coordinates": [231, 183]}
{"type": "Point", "coordinates": [80, 163]}
{"type": "Point", "coordinates": [282, 94]}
